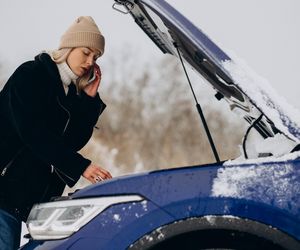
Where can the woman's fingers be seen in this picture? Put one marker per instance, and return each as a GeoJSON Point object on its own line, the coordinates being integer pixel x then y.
{"type": "Point", "coordinates": [97, 67]}
{"type": "Point", "coordinates": [104, 173]}
{"type": "Point", "coordinates": [95, 174]}
{"type": "Point", "coordinates": [92, 88]}
{"type": "Point", "coordinates": [100, 176]}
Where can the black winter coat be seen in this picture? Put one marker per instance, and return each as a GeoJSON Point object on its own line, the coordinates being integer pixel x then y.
{"type": "Point", "coordinates": [41, 130]}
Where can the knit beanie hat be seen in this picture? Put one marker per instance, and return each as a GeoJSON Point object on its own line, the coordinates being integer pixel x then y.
{"type": "Point", "coordinates": [84, 32]}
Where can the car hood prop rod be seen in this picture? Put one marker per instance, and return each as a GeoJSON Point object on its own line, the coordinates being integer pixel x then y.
{"type": "Point", "coordinates": [211, 142]}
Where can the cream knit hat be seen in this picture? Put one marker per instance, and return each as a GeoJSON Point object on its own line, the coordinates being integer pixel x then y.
{"type": "Point", "coordinates": [84, 32]}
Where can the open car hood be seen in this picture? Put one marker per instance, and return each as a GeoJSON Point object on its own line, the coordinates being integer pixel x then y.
{"type": "Point", "coordinates": [249, 97]}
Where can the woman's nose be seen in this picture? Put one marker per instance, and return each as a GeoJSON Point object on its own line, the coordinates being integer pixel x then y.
{"type": "Point", "coordinates": [90, 61]}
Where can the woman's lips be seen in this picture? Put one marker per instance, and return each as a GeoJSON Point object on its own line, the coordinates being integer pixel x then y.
{"type": "Point", "coordinates": [84, 70]}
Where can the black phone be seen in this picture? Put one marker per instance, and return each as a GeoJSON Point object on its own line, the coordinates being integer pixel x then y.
{"type": "Point", "coordinates": [92, 75]}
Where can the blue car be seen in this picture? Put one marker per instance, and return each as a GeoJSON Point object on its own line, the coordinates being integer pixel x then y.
{"type": "Point", "coordinates": [252, 202]}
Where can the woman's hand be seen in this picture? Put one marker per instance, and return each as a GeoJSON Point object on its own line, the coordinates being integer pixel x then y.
{"type": "Point", "coordinates": [94, 174]}
{"type": "Point", "coordinates": [92, 88]}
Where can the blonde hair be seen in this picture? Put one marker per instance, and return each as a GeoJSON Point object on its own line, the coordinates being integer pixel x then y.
{"type": "Point", "coordinates": [60, 56]}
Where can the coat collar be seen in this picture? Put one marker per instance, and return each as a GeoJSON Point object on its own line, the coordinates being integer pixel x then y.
{"type": "Point", "coordinates": [51, 69]}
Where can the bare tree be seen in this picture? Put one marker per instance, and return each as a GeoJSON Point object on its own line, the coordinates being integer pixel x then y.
{"type": "Point", "coordinates": [151, 123]}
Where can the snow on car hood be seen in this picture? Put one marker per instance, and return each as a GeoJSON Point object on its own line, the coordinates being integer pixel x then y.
{"type": "Point", "coordinates": [285, 116]}
{"type": "Point", "coordinates": [273, 181]}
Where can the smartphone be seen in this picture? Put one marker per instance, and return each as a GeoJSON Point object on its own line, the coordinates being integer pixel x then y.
{"type": "Point", "coordinates": [92, 75]}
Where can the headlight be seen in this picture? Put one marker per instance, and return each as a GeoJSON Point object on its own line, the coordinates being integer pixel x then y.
{"type": "Point", "coordinates": [60, 219]}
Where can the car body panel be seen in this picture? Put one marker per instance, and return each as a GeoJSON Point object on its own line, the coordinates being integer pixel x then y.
{"type": "Point", "coordinates": [177, 194]}
{"type": "Point", "coordinates": [192, 190]}
{"type": "Point", "coordinates": [118, 226]}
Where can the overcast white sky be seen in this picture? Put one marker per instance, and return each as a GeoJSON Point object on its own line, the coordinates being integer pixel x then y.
{"type": "Point", "coordinates": [265, 33]}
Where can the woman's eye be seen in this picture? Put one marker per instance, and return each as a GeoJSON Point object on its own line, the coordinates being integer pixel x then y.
{"type": "Point", "coordinates": [86, 53]}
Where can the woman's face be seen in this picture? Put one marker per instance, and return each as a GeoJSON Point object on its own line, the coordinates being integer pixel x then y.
{"type": "Point", "coordinates": [81, 59]}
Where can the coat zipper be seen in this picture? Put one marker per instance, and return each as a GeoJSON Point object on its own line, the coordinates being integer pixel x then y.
{"type": "Point", "coordinates": [7, 166]}
{"type": "Point", "coordinates": [58, 172]}
{"type": "Point", "coordinates": [65, 128]}
{"type": "Point", "coordinates": [69, 115]}
{"type": "Point", "coordinates": [3, 172]}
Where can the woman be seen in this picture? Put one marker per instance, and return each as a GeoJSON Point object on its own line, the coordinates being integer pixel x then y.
{"type": "Point", "coordinates": [48, 109]}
